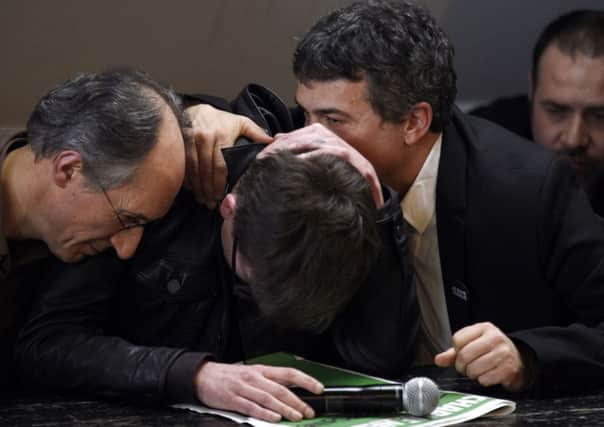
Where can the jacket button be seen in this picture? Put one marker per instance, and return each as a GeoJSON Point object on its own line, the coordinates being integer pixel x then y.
{"type": "Point", "coordinates": [173, 286]}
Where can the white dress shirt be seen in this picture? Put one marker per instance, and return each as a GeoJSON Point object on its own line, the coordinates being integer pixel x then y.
{"type": "Point", "coordinates": [419, 210]}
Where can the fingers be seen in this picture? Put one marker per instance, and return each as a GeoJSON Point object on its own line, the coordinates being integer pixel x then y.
{"type": "Point", "coordinates": [257, 390]}
{"type": "Point", "coordinates": [497, 367]}
{"type": "Point", "coordinates": [192, 174]}
{"type": "Point", "coordinates": [271, 393]}
{"type": "Point", "coordinates": [484, 353]}
{"type": "Point", "coordinates": [469, 347]}
{"type": "Point", "coordinates": [209, 181]}
{"type": "Point", "coordinates": [207, 145]}
{"type": "Point", "coordinates": [273, 399]}
{"type": "Point", "coordinates": [292, 377]}
{"type": "Point", "coordinates": [219, 174]}
{"type": "Point", "coordinates": [248, 407]}
{"type": "Point", "coordinates": [446, 358]}
{"type": "Point", "coordinates": [361, 164]}
{"type": "Point", "coordinates": [468, 334]}
{"type": "Point", "coordinates": [213, 130]}
{"type": "Point", "coordinates": [291, 145]}
{"type": "Point", "coordinates": [317, 140]}
{"type": "Point", "coordinates": [251, 130]}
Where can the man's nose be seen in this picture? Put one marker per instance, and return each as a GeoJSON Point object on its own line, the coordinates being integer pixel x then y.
{"type": "Point", "coordinates": [575, 136]}
{"type": "Point", "coordinates": [125, 242]}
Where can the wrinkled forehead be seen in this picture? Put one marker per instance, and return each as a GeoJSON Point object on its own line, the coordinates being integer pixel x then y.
{"type": "Point", "coordinates": [580, 74]}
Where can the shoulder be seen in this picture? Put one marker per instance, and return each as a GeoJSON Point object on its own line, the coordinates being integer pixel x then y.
{"type": "Point", "coordinates": [10, 136]}
{"type": "Point", "coordinates": [513, 113]}
{"type": "Point", "coordinates": [486, 144]}
{"type": "Point", "coordinates": [8, 133]}
{"type": "Point", "coordinates": [501, 171]}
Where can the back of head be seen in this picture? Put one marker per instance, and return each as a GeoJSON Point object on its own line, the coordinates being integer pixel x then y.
{"type": "Point", "coordinates": [112, 119]}
{"type": "Point", "coordinates": [307, 228]}
{"type": "Point", "coordinates": [577, 32]}
{"type": "Point", "coordinates": [396, 45]}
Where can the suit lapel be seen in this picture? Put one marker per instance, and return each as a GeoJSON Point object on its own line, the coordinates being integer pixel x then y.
{"type": "Point", "coordinates": [450, 216]}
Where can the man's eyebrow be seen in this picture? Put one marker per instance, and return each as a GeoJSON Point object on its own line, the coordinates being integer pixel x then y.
{"type": "Point", "coordinates": [551, 103]}
{"type": "Point", "coordinates": [595, 109]}
{"type": "Point", "coordinates": [325, 110]}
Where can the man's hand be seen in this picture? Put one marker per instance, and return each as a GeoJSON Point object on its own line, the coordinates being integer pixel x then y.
{"type": "Point", "coordinates": [212, 130]}
{"type": "Point", "coordinates": [315, 140]}
{"type": "Point", "coordinates": [256, 390]}
{"type": "Point", "coordinates": [485, 354]}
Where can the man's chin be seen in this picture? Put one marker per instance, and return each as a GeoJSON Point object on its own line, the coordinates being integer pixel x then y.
{"type": "Point", "coordinates": [70, 258]}
{"type": "Point", "coordinates": [77, 255]}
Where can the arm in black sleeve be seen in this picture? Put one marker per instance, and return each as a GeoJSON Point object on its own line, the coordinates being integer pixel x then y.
{"type": "Point", "coordinates": [377, 331]}
{"type": "Point", "coordinates": [569, 354]}
{"type": "Point", "coordinates": [64, 345]}
{"type": "Point", "coordinates": [190, 100]}
{"type": "Point", "coordinates": [260, 104]}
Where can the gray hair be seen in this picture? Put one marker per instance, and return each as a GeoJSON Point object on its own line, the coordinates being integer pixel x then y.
{"type": "Point", "coordinates": [111, 118]}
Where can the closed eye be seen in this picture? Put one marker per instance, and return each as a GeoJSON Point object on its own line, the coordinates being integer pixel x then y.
{"type": "Point", "coordinates": [330, 121]}
{"type": "Point", "coordinates": [133, 221]}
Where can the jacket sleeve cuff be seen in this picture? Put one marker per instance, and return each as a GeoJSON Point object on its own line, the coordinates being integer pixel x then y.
{"type": "Point", "coordinates": [531, 365]}
{"type": "Point", "coordinates": [180, 380]}
{"type": "Point", "coordinates": [190, 100]}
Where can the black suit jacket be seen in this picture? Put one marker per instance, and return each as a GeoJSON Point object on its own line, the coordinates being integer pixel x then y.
{"type": "Point", "coordinates": [521, 247]}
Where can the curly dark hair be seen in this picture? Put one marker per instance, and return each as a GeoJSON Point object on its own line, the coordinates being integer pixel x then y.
{"type": "Point", "coordinates": [397, 46]}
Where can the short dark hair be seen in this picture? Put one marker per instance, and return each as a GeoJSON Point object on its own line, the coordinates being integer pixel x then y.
{"type": "Point", "coordinates": [397, 46]}
{"type": "Point", "coordinates": [111, 118]}
{"type": "Point", "coordinates": [580, 31]}
{"type": "Point", "coordinates": [307, 228]}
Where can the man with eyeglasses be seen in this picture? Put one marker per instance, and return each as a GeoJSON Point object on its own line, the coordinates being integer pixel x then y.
{"type": "Point", "coordinates": [305, 254]}
{"type": "Point", "coordinates": [102, 156]}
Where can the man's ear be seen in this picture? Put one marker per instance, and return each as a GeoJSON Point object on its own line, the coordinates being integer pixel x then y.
{"type": "Point", "coordinates": [65, 166]}
{"type": "Point", "coordinates": [228, 206]}
{"type": "Point", "coordinates": [417, 123]}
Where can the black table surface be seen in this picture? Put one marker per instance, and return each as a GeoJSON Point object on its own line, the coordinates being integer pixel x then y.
{"type": "Point", "coordinates": [38, 409]}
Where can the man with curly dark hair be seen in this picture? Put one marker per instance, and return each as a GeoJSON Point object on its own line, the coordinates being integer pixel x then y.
{"type": "Point", "coordinates": [506, 248]}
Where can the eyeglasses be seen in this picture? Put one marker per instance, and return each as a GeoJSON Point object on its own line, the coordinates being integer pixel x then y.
{"type": "Point", "coordinates": [132, 221]}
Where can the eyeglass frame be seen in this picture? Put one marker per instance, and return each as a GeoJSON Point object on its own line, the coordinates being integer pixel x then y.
{"type": "Point", "coordinates": [123, 226]}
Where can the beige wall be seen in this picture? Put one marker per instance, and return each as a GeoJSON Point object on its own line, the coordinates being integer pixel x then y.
{"type": "Point", "coordinates": [210, 46]}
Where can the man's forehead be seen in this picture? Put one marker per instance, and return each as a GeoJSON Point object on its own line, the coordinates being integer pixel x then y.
{"type": "Point", "coordinates": [340, 94]}
{"type": "Point", "coordinates": [555, 63]}
{"type": "Point", "coordinates": [565, 79]}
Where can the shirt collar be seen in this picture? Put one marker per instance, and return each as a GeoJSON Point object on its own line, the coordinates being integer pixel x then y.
{"type": "Point", "coordinates": [419, 204]}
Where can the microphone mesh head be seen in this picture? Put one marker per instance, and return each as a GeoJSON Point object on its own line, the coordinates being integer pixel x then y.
{"type": "Point", "coordinates": [420, 396]}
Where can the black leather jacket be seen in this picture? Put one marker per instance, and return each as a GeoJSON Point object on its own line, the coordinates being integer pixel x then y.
{"type": "Point", "coordinates": [143, 326]}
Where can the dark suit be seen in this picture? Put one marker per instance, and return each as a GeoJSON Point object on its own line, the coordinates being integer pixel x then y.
{"type": "Point", "coordinates": [514, 113]}
{"type": "Point", "coordinates": [520, 247]}
{"type": "Point", "coordinates": [20, 262]}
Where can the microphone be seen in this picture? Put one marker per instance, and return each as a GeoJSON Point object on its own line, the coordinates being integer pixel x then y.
{"type": "Point", "coordinates": [418, 397]}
